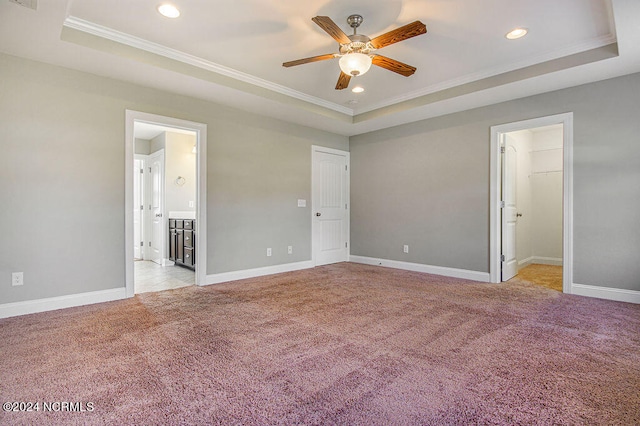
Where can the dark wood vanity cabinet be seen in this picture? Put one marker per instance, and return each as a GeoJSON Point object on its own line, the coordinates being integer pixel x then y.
{"type": "Point", "coordinates": [182, 247]}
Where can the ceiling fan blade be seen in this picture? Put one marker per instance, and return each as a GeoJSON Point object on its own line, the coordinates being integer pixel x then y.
{"type": "Point", "coordinates": [343, 81]}
{"type": "Point", "coordinates": [393, 65]}
{"type": "Point", "coordinates": [410, 30]}
{"type": "Point", "coordinates": [331, 28]}
{"type": "Point", "coordinates": [308, 60]}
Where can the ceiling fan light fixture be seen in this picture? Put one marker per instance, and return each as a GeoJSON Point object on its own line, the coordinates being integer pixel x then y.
{"type": "Point", "coordinates": [168, 10]}
{"type": "Point", "coordinates": [516, 33]}
{"type": "Point", "coordinates": [355, 64]}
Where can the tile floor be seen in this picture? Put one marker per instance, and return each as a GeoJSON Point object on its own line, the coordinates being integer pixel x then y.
{"type": "Point", "coordinates": [149, 276]}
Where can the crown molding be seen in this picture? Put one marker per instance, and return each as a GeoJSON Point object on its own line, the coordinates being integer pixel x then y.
{"type": "Point", "coordinates": [92, 28]}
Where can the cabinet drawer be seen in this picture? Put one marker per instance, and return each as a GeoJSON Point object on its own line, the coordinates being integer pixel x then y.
{"type": "Point", "coordinates": [179, 223]}
{"type": "Point", "coordinates": [188, 238]}
{"type": "Point", "coordinates": [188, 224]}
{"type": "Point", "coordinates": [172, 223]}
{"type": "Point", "coordinates": [188, 256]}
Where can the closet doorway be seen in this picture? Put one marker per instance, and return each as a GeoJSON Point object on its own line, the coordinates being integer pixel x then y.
{"type": "Point", "coordinates": [532, 175]}
{"type": "Point", "coordinates": [531, 201]}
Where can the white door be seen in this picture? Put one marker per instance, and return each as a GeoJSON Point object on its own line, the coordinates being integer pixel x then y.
{"type": "Point", "coordinates": [138, 207]}
{"type": "Point", "coordinates": [156, 204]}
{"type": "Point", "coordinates": [330, 202]}
{"type": "Point", "coordinates": [509, 211]}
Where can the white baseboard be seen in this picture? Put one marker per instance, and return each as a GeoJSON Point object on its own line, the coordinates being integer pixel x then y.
{"type": "Point", "coordinates": [539, 260]}
{"type": "Point", "coordinates": [418, 267]}
{"type": "Point", "coordinates": [60, 302]}
{"type": "Point", "coordinates": [619, 294]}
{"type": "Point", "coordinates": [556, 261]}
{"type": "Point", "coordinates": [256, 272]}
{"type": "Point", "coordinates": [525, 262]}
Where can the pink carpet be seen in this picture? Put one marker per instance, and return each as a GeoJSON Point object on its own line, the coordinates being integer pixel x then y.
{"type": "Point", "coordinates": [339, 344]}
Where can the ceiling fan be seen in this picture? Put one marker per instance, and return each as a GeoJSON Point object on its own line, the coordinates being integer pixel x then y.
{"type": "Point", "coordinates": [356, 50]}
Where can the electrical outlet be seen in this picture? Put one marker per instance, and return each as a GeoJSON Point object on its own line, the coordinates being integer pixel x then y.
{"type": "Point", "coordinates": [290, 250]}
{"type": "Point", "coordinates": [269, 251]}
{"type": "Point", "coordinates": [17, 278]}
{"type": "Point", "coordinates": [406, 249]}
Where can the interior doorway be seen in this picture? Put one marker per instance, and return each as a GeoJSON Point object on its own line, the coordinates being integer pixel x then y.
{"type": "Point", "coordinates": [168, 189]}
{"type": "Point", "coordinates": [532, 175]}
{"type": "Point", "coordinates": [531, 199]}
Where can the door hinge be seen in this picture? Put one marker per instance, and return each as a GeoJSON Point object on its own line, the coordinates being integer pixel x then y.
{"type": "Point", "coordinates": [345, 168]}
{"type": "Point", "coordinates": [141, 207]}
{"type": "Point", "coordinates": [149, 243]}
{"type": "Point", "coordinates": [141, 243]}
{"type": "Point", "coordinates": [345, 206]}
{"type": "Point", "coordinates": [502, 258]}
{"type": "Point", "coordinates": [346, 245]}
{"type": "Point", "coordinates": [149, 206]}
{"type": "Point", "coordinates": [502, 204]}
{"type": "Point", "coordinates": [149, 169]}
{"type": "Point", "coordinates": [502, 149]}
{"type": "Point", "coordinates": [141, 170]}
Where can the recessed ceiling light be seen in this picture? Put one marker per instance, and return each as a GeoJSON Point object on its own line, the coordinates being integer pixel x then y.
{"type": "Point", "coordinates": [357, 89]}
{"type": "Point", "coordinates": [168, 10]}
{"type": "Point", "coordinates": [516, 33]}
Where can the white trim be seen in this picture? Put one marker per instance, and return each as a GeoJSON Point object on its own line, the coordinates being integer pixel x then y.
{"type": "Point", "coordinates": [566, 119]}
{"type": "Point", "coordinates": [418, 267]}
{"type": "Point", "coordinates": [201, 189]}
{"type": "Point", "coordinates": [167, 52]}
{"type": "Point", "coordinates": [525, 262]}
{"type": "Point", "coordinates": [61, 302]}
{"type": "Point", "coordinates": [618, 294]}
{"type": "Point", "coordinates": [540, 260]}
{"type": "Point", "coordinates": [347, 155]}
{"type": "Point", "coordinates": [257, 272]}
{"type": "Point", "coordinates": [143, 219]}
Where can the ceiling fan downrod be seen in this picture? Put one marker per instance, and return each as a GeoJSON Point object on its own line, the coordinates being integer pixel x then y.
{"type": "Point", "coordinates": [354, 22]}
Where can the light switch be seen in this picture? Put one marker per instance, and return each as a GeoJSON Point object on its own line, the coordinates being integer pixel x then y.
{"type": "Point", "coordinates": [302, 203]}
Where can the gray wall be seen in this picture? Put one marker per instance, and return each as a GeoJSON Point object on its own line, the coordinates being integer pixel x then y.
{"type": "Point", "coordinates": [426, 184]}
{"type": "Point", "coordinates": [142, 146]}
{"type": "Point", "coordinates": [62, 180]}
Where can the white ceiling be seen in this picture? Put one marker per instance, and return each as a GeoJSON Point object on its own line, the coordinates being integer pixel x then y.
{"type": "Point", "coordinates": [148, 131]}
{"type": "Point", "coordinates": [232, 52]}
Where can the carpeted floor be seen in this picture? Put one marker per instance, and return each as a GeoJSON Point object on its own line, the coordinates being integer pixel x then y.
{"type": "Point", "coordinates": [549, 276]}
{"type": "Point", "coordinates": [339, 344]}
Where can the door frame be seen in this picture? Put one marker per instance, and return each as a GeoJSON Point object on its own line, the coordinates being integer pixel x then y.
{"type": "Point", "coordinates": [143, 193]}
{"type": "Point", "coordinates": [314, 188]}
{"type": "Point", "coordinates": [200, 129]}
{"type": "Point", "coordinates": [495, 226]}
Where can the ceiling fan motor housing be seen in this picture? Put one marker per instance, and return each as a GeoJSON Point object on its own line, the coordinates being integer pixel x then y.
{"type": "Point", "coordinates": [359, 44]}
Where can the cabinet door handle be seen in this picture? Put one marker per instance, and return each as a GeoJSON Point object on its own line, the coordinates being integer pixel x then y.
{"type": "Point", "coordinates": [186, 238]}
{"type": "Point", "coordinates": [187, 255]}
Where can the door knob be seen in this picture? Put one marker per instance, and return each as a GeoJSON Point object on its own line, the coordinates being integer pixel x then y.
{"type": "Point", "coordinates": [318, 214]}
{"type": "Point", "coordinates": [518, 214]}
